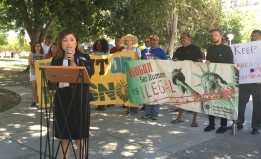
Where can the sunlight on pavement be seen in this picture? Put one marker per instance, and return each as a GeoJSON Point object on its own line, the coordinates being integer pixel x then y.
{"type": "Point", "coordinates": [124, 131]}
{"type": "Point", "coordinates": [127, 153]}
{"type": "Point", "coordinates": [94, 128]}
{"type": "Point", "coordinates": [176, 132]}
{"type": "Point", "coordinates": [2, 129]}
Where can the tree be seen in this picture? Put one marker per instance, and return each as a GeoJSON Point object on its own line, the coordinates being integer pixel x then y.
{"type": "Point", "coordinates": [15, 45]}
{"type": "Point", "coordinates": [239, 23]}
{"type": "Point", "coordinates": [3, 39]}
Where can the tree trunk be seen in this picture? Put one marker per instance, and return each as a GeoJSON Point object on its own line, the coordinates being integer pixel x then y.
{"type": "Point", "coordinates": [172, 31]}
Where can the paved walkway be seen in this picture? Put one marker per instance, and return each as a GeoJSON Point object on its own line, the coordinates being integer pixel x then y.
{"type": "Point", "coordinates": [116, 136]}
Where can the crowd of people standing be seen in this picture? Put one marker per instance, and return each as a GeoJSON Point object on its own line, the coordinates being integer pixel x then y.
{"type": "Point", "coordinates": [216, 53]}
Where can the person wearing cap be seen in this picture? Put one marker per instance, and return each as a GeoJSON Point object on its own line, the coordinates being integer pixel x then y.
{"type": "Point", "coordinates": [191, 52]}
{"type": "Point", "coordinates": [155, 52]}
{"type": "Point", "coordinates": [218, 53]}
{"type": "Point", "coordinates": [118, 47]}
{"type": "Point", "coordinates": [152, 111]}
{"type": "Point", "coordinates": [100, 47]}
{"type": "Point", "coordinates": [245, 90]}
{"type": "Point", "coordinates": [130, 40]}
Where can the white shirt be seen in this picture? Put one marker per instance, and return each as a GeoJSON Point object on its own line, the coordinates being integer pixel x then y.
{"type": "Point", "coordinates": [133, 50]}
{"type": "Point", "coordinates": [64, 84]}
{"type": "Point", "coordinates": [45, 48]}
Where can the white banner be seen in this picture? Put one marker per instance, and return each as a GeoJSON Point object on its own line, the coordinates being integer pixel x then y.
{"type": "Point", "coordinates": [248, 56]}
{"type": "Point", "coordinates": [209, 89]}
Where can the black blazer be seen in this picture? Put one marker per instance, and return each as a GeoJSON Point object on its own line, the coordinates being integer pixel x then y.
{"type": "Point", "coordinates": [88, 65]}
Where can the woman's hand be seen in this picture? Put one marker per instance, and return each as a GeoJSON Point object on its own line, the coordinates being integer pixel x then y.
{"type": "Point", "coordinates": [207, 62]}
{"type": "Point", "coordinates": [70, 56]}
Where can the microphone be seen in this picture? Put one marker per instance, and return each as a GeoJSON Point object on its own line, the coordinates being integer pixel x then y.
{"type": "Point", "coordinates": [81, 60]}
{"type": "Point", "coordinates": [69, 51]}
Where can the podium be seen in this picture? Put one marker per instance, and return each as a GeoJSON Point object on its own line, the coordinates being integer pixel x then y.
{"type": "Point", "coordinates": [60, 122]}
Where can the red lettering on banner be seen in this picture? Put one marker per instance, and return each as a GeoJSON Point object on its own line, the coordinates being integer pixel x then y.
{"type": "Point", "coordinates": [149, 67]}
{"type": "Point", "coordinates": [142, 92]}
{"type": "Point", "coordinates": [145, 69]}
{"type": "Point", "coordinates": [157, 88]}
{"type": "Point", "coordinates": [130, 72]}
{"type": "Point", "coordinates": [140, 70]}
{"type": "Point", "coordinates": [251, 76]}
{"type": "Point", "coordinates": [137, 71]}
{"type": "Point", "coordinates": [147, 92]}
{"type": "Point", "coordinates": [153, 88]}
{"type": "Point", "coordinates": [161, 87]}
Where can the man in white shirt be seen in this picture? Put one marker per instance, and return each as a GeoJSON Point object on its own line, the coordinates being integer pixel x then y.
{"type": "Point", "coordinates": [46, 44]}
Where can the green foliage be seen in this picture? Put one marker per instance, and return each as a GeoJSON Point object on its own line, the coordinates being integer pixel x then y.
{"type": "Point", "coordinates": [3, 39]}
{"type": "Point", "coordinates": [239, 23]}
{"type": "Point", "coordinates": [16, 45]}
{"type": "Point", "coordinates": [93, 19]}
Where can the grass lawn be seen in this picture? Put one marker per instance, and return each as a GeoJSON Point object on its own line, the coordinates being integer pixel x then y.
{"type": "Point", "coordinates": [16, 64]}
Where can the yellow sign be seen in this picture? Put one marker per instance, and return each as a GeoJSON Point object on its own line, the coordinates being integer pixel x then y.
{"type": "Point", "coordinates": [109, 82]}
{"type": "Point", "coordinates": [42, 90]}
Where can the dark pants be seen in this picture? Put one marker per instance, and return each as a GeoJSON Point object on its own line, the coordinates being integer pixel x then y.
{"type": "Point", "coordinates": [245, 90]}
{"type": "Point", "coordinates": [223, 121]}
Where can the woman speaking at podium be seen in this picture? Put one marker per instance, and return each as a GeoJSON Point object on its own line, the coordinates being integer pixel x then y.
{"type": "Point", "coordinates": [68, 116]}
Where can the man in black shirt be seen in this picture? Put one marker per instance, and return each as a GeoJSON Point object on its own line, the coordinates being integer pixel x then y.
{"type": "Point", "coordinates": [218, 53]}
{"type": "Point", "coordinates": [191, 52]}
{"type": "Point", "coordinates": [187, 51]}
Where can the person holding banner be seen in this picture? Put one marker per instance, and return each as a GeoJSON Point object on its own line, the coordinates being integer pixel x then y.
{"type": "Point", "coordinates": [143, 52]}
{"type": "Point", "coordinates": [118, 47]}
{"type": "Point", "coordinates": [130, 40]}
{"type": "Point", "coordinates": [37, 54]}
{"type": "Point", "coordinates": [191, 52]}
{"type": "Point", "coordinates": [67, 115]}
{"type": "Point", "coordinates": [152, 111]}
{"type": "Point", "coordinates": [218, 53]}
{"type": "Point", "coordinates": [245, 90]}
{"type": "Point", "coordinates": [100, 47]}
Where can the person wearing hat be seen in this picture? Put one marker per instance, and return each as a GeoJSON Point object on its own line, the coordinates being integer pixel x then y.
{"type": "Point", "coordinates": [130, 40]}
{"type": "Point", "coordinates": [152, 111]}
{"type": "Point", "coordinates": [218, 53]}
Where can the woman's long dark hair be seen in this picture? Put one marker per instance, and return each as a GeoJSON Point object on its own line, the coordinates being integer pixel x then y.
{"type": "Point", "coordinates": [50, 50]}
{"type": "Point", "coordinates": [104, 44]}
{"type": "Point", "coordinates": [41, 51]}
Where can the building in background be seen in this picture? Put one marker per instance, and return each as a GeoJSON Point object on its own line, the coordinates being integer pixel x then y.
{"type": "Point", "coordinates": [246, 5]}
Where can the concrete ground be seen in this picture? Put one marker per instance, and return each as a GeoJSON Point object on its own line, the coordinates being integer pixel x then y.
{"type": "Point", "coordinates": [116, 136]}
